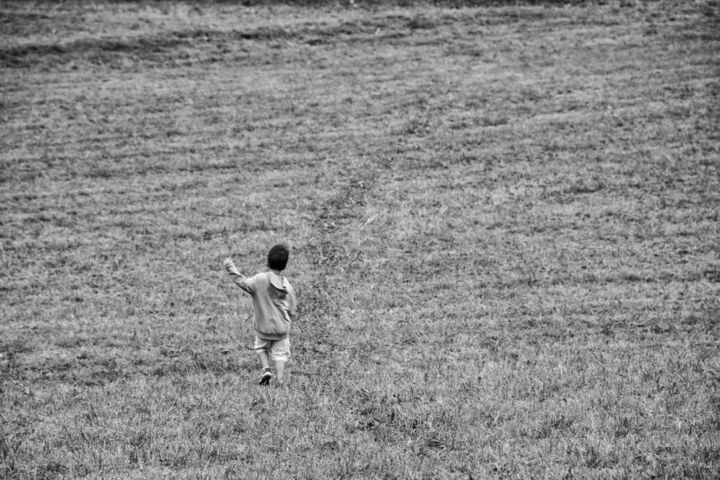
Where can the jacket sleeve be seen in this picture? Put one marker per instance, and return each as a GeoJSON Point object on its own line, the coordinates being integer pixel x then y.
{"type": "Point", "coordinates": [292, 304]}
{"type": "Point", "coordinates": [247, 284]}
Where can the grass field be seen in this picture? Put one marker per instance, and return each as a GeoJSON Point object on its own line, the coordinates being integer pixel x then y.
{"type": "Point", "coordinates": [504, 231]}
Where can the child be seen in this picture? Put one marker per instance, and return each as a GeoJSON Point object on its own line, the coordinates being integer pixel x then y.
{"type": "Point", "coordinates": [274, 304]}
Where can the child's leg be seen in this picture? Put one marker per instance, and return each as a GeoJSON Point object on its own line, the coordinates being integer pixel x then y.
{"type": "Point", "coordinates": [280, 354]}
{"type": "Point", "coordinates": [264, 360]}
{"type": "Point", "coordinates": [262, 347]}
{"type": "Point", "coordinates": [279, 370]}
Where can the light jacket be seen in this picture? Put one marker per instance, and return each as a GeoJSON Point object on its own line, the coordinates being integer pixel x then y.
{"type": "Point", "coordinates": [274, 302]}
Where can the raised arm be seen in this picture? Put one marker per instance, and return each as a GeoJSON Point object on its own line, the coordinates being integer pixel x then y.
{"type": "Point", "coordinates": [237, 277]}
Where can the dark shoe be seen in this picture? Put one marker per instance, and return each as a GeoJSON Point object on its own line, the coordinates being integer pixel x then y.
{"type": "Point", "coordinates": [266, 376]}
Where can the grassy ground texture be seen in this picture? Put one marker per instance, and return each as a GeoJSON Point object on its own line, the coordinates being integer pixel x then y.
{"type": "Point", "coordinates": [504, 223]}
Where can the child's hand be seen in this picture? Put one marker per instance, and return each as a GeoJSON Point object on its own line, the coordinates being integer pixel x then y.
{"type": "Point", "coordinates": [230, 266]}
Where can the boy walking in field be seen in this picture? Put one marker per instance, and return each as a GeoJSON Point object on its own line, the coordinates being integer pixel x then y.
{"type": "Point", "coordinates": [274, 306]}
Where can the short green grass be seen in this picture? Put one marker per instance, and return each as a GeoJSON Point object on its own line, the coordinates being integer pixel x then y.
{"type": "Point", "coordinates": [504, 224]}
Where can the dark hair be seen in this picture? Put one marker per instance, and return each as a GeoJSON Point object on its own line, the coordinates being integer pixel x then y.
{"type": "Point", "coordinates": [278, 257]}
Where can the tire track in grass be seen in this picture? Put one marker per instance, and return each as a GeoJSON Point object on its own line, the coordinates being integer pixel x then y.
{"type": "Point", "coordinates": [328, 255]}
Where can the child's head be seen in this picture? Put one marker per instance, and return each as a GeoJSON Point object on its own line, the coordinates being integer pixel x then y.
{"type": "Point", "coordinates": [278, 257]}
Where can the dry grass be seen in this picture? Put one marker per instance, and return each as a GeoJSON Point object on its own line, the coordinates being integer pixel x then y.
{"type": "Point", "coordinates": [504, 224]}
